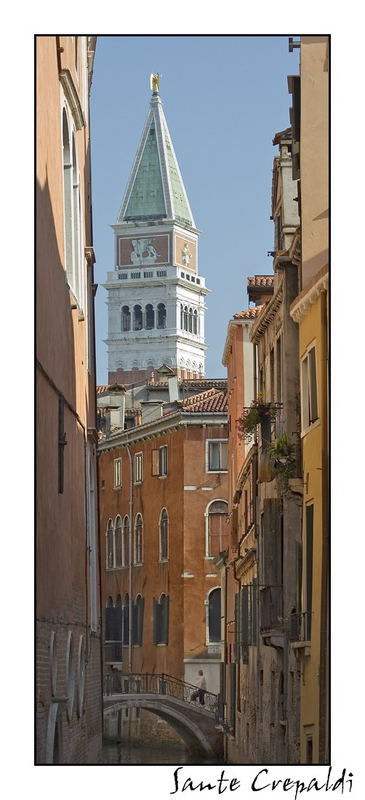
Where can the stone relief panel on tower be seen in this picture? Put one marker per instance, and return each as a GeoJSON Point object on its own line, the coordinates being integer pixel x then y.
{"type": "Point", "coordinates": [185, 252]}
{"type": "Point", "coordinates": [144, 250]}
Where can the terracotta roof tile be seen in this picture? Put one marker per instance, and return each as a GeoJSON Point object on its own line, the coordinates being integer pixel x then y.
{"type": "Point", "coordinates": [249, 313]}
{"type": "Point", "coordinates": [112, 387]}
{"type": "Point", "coordinates": [210, 400]}
{"type": "Point", "coordinates": [261, 280]}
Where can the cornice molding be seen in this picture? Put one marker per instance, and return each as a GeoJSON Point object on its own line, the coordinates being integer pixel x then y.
{"type": "Point", "coordinates": [167, 424]}
{"type": "Point", "coordinates": [72, 98]}
{"type": "Point", "coordinates": [267, 315]}
{"type": "Point", "coordinates": [302, 305]}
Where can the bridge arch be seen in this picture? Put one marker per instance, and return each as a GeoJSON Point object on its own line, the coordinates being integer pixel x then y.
{"type": "Point", "coordinates": [191, 733]}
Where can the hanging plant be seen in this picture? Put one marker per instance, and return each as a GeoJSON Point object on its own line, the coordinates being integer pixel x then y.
{"type": "Point", "coordinates": [258, 412]}
{"type": "Point", "coordinates": [282, 457]}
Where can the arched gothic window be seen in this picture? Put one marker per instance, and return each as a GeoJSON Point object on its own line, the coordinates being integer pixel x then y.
{"type": "Point", "coordinates": [161, 315]}
{"type": "Point", "coordinates": [137, 318]}
{"type": "Point", "coordinates": [137, 620]}
{"type": "Point", "coordinates": [125, 542]}
{"type": "Point", "coordinates": [186, 324]}
{"type": "Point", "coordinates": [164, 535]}
{"type": "Point", "coordinates": [110, 545]}
{"type": "Point", "coordinates": [190, 320]}
{"type": "Point", "coordinates": [138, 539]}
{"type": "Point", "coordinates": [195, 322]}
{"type": "Point", "coordinates": [125, 619]}
{"type": "Point", "coordinates": [214, 616]}
{"type": "Point", "coordinates": [161, 620]}
{"type": "Point", "coordinates": [217, 528]}
{"type": "Point", "coordinates": [118, 542]}
{"type": "Point", "coordinates": [181, 316]}
{"type": "Point", "coordinates": [150, 317]}
{"type": "Point", "coordinates": [126, 318]}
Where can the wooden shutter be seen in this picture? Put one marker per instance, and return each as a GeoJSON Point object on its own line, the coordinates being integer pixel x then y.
{"type": "Point", "coordinates": [253, 607]}
{"type": "Point", "coordinates": [271, 543]}
{"type": "Point", "coordinates": [155, 462]}
{"type": "Point", "coordinates": [309, 566]}
{"type": "Point", "coordinates": [245, 638]}
{"type": "Point", "coordinates": [237, 635]}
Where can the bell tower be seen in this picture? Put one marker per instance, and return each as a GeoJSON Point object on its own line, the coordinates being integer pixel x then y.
{"type": "Point", "coordinates": [155, 293]}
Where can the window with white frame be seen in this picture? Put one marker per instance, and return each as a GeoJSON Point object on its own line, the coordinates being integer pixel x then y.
{"type": "Point", "coordinates": [309, 389]}
{"type": "Point", "coordinates": [216, 455]}
{"type": "Point", "coordinates": [164, 535]}
{"type": "Point", "coordinates": [117, 473]}
{"type": "Point", "coordinates": [72, 210]}
{"type": "Point", "coordinates": [138, 539]}
{"type": "Point", "coordinates": [217, 538]}
{"type": "Point", "coordinates": [110, 545]}
{"type": "Point", "coordinates": [159, 461]}
{"type": "Point", "coordinates": [138, 468]}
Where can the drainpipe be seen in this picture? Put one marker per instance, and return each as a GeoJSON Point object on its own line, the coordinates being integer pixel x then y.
{"type": "Point", "coordinates": [130, 558]}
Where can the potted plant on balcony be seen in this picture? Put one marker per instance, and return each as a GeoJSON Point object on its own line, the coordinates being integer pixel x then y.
{"type": "Point", "coordinates": [259, 412]}
{"type": "Point", "coordinates": [282, 457]}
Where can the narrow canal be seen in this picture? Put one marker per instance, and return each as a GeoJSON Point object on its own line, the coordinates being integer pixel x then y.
{"type": "Point", "coordinates": [139, 753]}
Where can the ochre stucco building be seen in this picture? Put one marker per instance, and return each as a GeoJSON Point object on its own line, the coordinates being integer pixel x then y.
{"type": "Point", "coordinates": [68, 634]}
{"type": "Point", "coordinates": [310, 311]}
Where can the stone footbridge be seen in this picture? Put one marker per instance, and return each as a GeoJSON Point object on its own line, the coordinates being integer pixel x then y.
{"type": "Point", "coordinates": [172, 700]}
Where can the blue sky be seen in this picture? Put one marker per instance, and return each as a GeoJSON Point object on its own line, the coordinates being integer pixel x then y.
{"type": "Point", "coordinates": [224, 98]}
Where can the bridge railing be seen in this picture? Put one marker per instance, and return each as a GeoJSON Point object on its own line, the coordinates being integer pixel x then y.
{"type": "Point", "coordinates": [146, 683]}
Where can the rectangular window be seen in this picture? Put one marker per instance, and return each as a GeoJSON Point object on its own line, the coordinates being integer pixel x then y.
{"type": "Point", "coordinates": [159, 461]}
{"type": "Point", "coordinates": [216, 455]}
{"type": "Point", "coordinates": [138, 468]}
{"type": "Point", "coordinates": [309, 389]}
{"type": "Point", "coordinates": [117, 473]}
{"type": "Point", "coordinates": [163, 460]}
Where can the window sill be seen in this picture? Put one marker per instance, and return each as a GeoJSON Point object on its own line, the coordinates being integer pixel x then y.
{"type": "Point", "coordinates": [214, 471]}
{"type": "Point", "coordinates": [162, 477]}
{"type": "Point", "coordinates": [163, 560]}
{"type": "Point", "coordinates": [310, 428]}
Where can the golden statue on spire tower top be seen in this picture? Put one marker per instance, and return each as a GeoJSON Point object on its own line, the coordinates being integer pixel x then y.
{"type": "Point", "coordinates": [155, 81]}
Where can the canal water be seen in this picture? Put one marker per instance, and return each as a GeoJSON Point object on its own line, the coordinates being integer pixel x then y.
{"type": "Point", "coordinates": [168, 753]}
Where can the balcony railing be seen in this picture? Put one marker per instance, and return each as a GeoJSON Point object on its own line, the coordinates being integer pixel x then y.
{"type": "Point", "coordinates": [146, 683]}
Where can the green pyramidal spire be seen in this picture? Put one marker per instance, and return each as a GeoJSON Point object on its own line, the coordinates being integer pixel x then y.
{"type": "Point", "coordinates": [156, 189]}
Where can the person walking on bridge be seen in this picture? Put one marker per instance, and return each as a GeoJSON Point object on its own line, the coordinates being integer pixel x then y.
{"type": "Point", "coordinates": [199, 694]}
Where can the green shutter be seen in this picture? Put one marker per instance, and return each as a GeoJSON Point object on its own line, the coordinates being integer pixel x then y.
{"type": "Point", "coordinates": [245, 637]}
